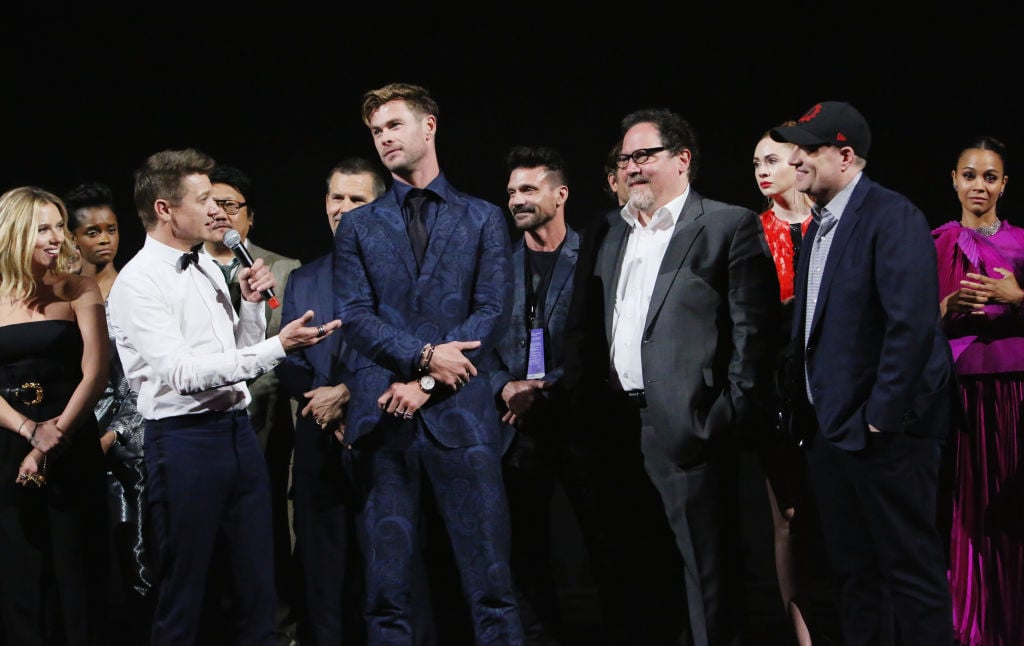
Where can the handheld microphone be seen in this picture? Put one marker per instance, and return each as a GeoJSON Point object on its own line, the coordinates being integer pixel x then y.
{"type": "Point", "coordinates": [233, 241]}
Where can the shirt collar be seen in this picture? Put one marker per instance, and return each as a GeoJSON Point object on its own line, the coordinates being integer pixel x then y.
{"type": "Point", "coordinates": [438, 186]}
{"type": "Point", "coordinates": [837, 204]}
{"type": "Point", "coordinates": [162, 252]}
{"type": "Point", "coordinates": [664, 217]}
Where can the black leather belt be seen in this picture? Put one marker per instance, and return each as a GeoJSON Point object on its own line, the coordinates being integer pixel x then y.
{"type": "Point", "coordinates": [637, 397]}
{"type": "Point", "coordinates": [30, 394]}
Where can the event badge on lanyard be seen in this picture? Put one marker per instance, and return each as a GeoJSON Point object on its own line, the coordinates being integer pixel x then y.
{"type": "Point", "coordinates": [535, 363]}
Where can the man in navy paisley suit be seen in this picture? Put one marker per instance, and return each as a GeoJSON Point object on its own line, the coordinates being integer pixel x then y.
{"type": "Point", "coordinates": [315, 378]}
{"type": "Point", "coordinates": [423, 285]}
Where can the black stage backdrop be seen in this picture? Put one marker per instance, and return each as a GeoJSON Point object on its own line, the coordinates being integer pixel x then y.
{"type": "Point", "coordinates": [87, 95]}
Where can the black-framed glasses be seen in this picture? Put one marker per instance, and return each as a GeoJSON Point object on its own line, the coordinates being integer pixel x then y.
{"type": "Point", "coordinates": [640, 156]}
{"type": "Point", "coordinates": [230, 207]}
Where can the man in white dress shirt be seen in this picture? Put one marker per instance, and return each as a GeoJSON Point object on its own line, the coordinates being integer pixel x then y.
{"type": "Point", "coordinates": [685, 285]}
{"type": "Point", "coordinates": [188, 353]}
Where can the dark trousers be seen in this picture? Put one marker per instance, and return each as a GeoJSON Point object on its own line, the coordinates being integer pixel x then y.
{"type": "Point", "coordinates": [467, 485]}
{"type": "Point", "coordinates": [877, 508]}
{"type": "Point", "coordinates": [207, 481]}
{"type": "Point", "coordinates": [52, 572]}
{"type": "Point", "coordinates": [702, 507]}
{"type": "Point", "coordinates": [530, 489]}
{"type": "Point", "coordinates": [631, 548]}
{"type": "Point", "coordinates": [328, 560]}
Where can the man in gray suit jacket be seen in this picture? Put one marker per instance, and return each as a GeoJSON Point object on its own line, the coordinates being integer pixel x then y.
{"type": "Point", "coordinates": [271, 407]}
{"type": "Point", "coordinates": [690, 304]}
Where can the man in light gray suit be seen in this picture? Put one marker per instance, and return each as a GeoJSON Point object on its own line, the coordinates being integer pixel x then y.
{"type": "Point", "coordinates": [690, 299]}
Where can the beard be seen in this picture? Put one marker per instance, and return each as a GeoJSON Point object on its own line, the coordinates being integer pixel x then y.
{"type": "Point", "coordinates": [530, 219]}
{"type": "Point", "coordinates": [641, 198]}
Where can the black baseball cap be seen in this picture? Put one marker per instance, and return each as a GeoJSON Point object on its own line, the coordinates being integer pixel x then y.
{"type": "Point", "coordinates": [835, 123]}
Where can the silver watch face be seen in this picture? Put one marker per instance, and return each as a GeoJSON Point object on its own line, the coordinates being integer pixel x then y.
{"type": "Point", "coordinates": [427, 383]}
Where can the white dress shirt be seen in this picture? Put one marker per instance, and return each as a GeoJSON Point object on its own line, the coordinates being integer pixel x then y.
{"type": "Point", "coordinates": [183, 348]}
{"type": "Point", "coordinates": [645, 249]}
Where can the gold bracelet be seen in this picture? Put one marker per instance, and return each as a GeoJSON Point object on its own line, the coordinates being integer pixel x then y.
{"type": "Point", "coordinates": [22, 426]}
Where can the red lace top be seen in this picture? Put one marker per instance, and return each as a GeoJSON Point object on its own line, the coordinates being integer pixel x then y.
{"type": "Point", "coordinates": [780, 242]}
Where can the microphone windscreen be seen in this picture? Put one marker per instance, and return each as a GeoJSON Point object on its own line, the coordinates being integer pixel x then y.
{"type": "Point", "coordinates": [232, 239]}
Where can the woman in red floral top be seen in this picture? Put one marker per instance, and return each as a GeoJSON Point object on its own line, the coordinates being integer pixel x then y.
{"type": "Point", "coordinates": [785, 219]}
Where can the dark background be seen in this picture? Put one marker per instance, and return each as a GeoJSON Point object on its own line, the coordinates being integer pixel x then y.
{"type": "Point", "coordinates": [88, 95]}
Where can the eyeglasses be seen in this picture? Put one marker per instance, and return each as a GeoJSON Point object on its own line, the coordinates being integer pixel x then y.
{"type": "Point", "coordinates": [230, 207]}
{"type": "Point", "coordinates": [640, 156]}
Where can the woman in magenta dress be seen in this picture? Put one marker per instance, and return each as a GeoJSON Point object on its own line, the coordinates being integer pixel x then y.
{"type": "Point", "coordinates": [981, 270]}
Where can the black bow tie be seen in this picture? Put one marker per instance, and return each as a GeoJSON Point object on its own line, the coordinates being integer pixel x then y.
{"type": "Point", "coordinates": [190, 257]}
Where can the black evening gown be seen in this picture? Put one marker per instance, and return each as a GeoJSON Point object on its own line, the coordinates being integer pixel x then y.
{"type": "Point", "coordinates": [53, 554]}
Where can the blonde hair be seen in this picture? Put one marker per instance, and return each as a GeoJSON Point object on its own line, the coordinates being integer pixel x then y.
{"type": "Point", "coordinates": [415, 96]}
{"type": "Point", "coordinates": [19, 218]}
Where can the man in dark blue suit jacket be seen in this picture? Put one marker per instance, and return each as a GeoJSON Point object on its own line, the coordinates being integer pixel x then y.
{"type": "Point", "coordinates": [528, 363]}
{"type": "Point", "coordinates": [314, 378]}
{"type": "Point", "coordinates": [422, 318]}
{"type": "Point", "coordinates": [874, 380]}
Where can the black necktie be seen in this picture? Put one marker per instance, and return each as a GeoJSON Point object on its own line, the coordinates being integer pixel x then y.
{"type": "Point", "coordinates": [190, 257]}
{"type": "Point", "coordinates": [417, 225]}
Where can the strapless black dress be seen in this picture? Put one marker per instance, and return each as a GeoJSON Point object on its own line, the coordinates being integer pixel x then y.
{"type": "Point", "coordinates": [48, 353]}
{"type": "Point", "coordinates": [54, 555]}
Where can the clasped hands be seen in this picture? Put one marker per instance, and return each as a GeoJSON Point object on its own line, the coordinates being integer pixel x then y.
{"type": "Point", "coordinates": [521, 397]}
{"type": "Point", "coordinates": [46, 436]}
{"type": "Point", "coordinates": [327, 407]}
{"type": "Point", "coordinates": [977, 290]}
{"type": "Point", "coordinates": [448, 366]}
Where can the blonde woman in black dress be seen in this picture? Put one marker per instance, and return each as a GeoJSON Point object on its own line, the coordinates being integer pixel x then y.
{"type": "Point", "coordinates": [53, 368]}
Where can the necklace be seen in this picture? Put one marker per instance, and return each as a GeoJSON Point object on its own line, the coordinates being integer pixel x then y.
{"type": "Point", "coordinates": [989, 230]}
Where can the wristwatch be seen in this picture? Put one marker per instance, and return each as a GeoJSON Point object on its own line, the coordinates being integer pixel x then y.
{"type": "Point", "coordinates": [427, 384]}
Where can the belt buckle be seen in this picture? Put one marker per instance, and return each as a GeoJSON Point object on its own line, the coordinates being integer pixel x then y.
{"type": "Point", "coordinates": [32, 385]}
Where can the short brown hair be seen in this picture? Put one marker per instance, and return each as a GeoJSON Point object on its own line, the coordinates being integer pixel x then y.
{"type": "Point", "coordinates": [160, 178]}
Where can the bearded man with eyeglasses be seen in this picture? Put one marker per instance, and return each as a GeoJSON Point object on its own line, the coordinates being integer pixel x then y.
{"type": "Point", "coordinates": [671, 346]}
